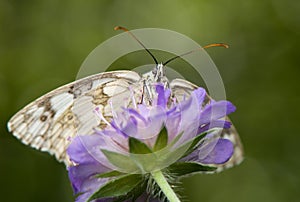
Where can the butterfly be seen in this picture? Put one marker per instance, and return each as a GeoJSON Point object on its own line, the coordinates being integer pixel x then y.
{"type": "Point", "coordinates": [49, 122]}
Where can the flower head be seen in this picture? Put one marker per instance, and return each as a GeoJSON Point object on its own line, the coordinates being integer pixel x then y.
{"type": "Point", "coordinates": [142, 140]}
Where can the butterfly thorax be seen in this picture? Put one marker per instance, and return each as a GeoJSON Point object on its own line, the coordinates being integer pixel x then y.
{"type": "Point", "coordinates": [150, 79]}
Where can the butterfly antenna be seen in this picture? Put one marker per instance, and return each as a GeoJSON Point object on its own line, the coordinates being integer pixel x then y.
{"type": "Point", "coordinates": [192, 51]}
{"type": "Point", "coordinates": [126, 30]}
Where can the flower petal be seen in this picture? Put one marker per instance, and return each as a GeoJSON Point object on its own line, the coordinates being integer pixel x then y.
{"type": "Point", "coordinates": [186, 117]}
{"type": "Point", "coordinates": [89, 187]}
{"type": "Point", "coordinates": [162, 95]}
{"type": "Point", "coordinates": [215, 111]}
{"type": "Point", "coordinates": [87, 149]}
{"type": "Point", "coordinates": [221, 153]}
{"type": "Point", "coordinates": [78, 174]}
{"type": "Point", "coordinates": [83, 149]}
{"type": "Point", "coordinates": [214, 124]}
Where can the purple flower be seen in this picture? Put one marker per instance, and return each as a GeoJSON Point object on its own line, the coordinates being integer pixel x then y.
{"type": "Point", "coordinates": [140, 140]}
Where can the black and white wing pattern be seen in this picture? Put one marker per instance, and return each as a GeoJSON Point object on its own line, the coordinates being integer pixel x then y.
{"type": "Point", "coordinates": [49, 122]}
{"type": "Point", "coordinates": [182, 89]}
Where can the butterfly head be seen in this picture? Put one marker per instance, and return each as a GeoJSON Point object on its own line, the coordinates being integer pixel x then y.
{"type": "Point", "coordinates": [157, 75]}
{"type": "Point", "coordinates": [158, 72]}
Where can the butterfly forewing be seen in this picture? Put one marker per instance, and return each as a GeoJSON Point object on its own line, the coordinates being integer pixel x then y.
{"type": "Point", "coordinates": [48, 122]}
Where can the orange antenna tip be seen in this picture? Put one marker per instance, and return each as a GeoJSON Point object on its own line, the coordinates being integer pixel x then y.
{"type": "Point", "coordinates": [121, 28]}
{"type": "Point", "coordinates": [192, 51]}
{"type": "Point", "coordinates": [217, 45]}
{"type": "Point", "coordinates": [225, 45]}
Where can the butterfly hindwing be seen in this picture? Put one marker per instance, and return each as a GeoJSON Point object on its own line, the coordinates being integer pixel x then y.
{"type": "Point", "coordinates": [48, 122]}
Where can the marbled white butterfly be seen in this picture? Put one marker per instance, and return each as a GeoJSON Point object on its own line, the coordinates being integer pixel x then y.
{"type": "Point", "coordinates": [48, 122]}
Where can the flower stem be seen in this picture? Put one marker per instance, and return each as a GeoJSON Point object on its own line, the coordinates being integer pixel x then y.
{"type": "Point", "coordinates": [164, 185]}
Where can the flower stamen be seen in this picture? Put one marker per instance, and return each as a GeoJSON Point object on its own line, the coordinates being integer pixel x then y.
{"type": "Point", "coordinates": [100, 115]}
{"type": "Point", "coordinates": [132, 97]}
{"type": "Point", "coordinates": [114, 114]}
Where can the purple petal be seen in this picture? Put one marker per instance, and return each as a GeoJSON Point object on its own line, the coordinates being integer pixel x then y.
{"type": "Point", "coordinates": [200, 95]}
{"type": "Point", "coordinates": [221, 153]}
{"type": "Point", "coordinates": [78, 174]}
{"type": "Point", "coordinates": [87, 149]}
{"type": "Point", "coordinates": [142, 125]}
{"type": "Point", "coordinates": [90, 186]}
{"type": "Point", "coordinates": [215, 111]}
{"type": "Point", "coordinates": [156, 117]}
{"type": "Point", "coordinates": [143, 109]}
{"type": "Point", "coordinates": [129, 129]}
{"type": "Point", "coordinates": [172, 123]}
{"type": "Point", "coordinates": [81, 148]}
{"type": "Point", "coordinates": [137, 115]}
{"type": "Point", "coordinates": [186, 117]}
{"type": "Point", "coordinates": [162, 95]}
{"type": "Point", "coordinates": [214, 124]}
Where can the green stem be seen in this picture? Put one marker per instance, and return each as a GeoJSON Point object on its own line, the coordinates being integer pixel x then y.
{"type": "Point", "coordinates": [164, 185]}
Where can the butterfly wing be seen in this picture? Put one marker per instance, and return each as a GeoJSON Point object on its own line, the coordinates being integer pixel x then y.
{"type": "Point", "coordinates": [49, 122]}
{"type": "Point", "coordinates": [181, 89]}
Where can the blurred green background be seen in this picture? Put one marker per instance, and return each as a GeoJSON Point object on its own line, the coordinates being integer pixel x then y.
{"type": "Point", "coordinates": [43, 43]}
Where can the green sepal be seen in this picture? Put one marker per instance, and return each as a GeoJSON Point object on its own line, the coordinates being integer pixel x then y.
{"type": "Point", "coordinates": [161, 140]}
{"type": "Point", "coordinates": [175, 140]}
{"type": "Point", "coordinates": [181, 169]}
{"type": "Point", "coordinates": [118, 187]}
{"type": "Point", "coordinates": [113, 173]}
{"type": "Point", "coordinates": [142, 155]}
{"type": "Point", "coordinates": [138, 147]}
{"type": "Point", "coordinates": [125, 163]}
{"type": "Point", "coordinates": [133, 195]}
